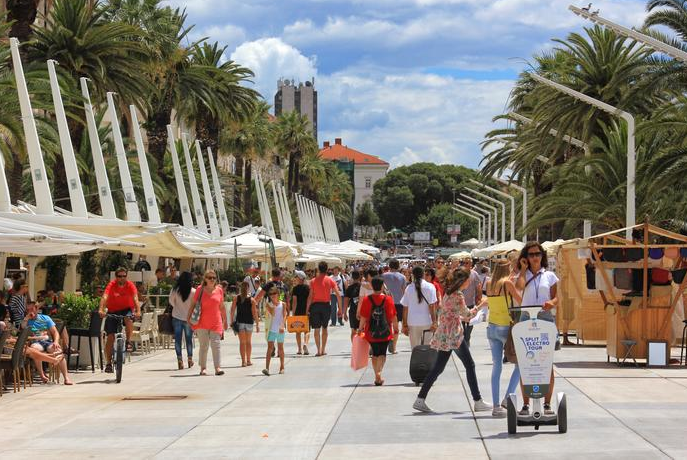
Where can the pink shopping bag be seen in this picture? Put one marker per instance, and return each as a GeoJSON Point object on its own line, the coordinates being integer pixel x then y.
{"type": "Point", "coordinates": [360, 353]}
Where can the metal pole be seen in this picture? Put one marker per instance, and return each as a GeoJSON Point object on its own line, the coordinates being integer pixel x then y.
{"type": "Point", "coordinates": [485, 212]}
{"type": "Point", "coordinates": [503, 211]}
{"type": "Point", "coordinates": [512, 205]}
{"type": "Point", "coordinates": [479, 217]}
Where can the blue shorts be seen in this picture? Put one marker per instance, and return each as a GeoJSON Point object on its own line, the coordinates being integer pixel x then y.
{"type": "Point", "coordinates": [245, 327]}
{"type": "Point", "coordinates": [275, 337]}
{"type": "Point", "coordinates": [45, 344]}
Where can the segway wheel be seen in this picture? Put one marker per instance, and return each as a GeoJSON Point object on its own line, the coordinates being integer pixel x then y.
{"type": "Point", "coordinates": [563, 415]}
{"type": "Point", "coordinates": [512, 416]}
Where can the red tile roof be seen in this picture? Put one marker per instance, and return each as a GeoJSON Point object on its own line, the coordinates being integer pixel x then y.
{"type": "Point", "coordinates": [337, 151]}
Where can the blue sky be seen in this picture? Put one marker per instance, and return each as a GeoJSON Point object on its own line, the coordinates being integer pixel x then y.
{"type": "Point", "coordinates": [407, 80]}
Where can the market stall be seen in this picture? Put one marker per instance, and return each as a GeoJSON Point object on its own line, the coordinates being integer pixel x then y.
{"type": "Point", "coordinates": [623, 292]}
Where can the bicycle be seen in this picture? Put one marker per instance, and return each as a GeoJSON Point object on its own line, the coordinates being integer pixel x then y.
{"type": "Point", "coordinates": [119, 347]}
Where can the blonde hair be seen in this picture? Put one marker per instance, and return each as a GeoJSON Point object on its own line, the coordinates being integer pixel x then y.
{"type": "Point", "coordinates": [500, 275]}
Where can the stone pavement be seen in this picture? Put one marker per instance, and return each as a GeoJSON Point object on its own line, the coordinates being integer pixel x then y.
{"type": "Point", "coordinates": [320, 408]}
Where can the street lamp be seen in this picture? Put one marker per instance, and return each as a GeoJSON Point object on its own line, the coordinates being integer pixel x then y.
{"type": "Point", "coordinates": [629, 119]}
{"type": "Point", "coordinates": [512, 205]}
{"type": "Point", "coordinates": [522, 190]}
{"type": "Point", "coordinates": [480, 217]}
{"type": "Point", "coordinates": [492, 209]}
{"type": "Point", "coordinates": [503, 210]}
{"type": "Point", "coordinates": [587, 224]}
{"type": "Point", "coordinates": [486, 213]}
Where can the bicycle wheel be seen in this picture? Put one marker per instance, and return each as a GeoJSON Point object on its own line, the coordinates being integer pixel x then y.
{"type": "Point", "coordinates": [119, 359]}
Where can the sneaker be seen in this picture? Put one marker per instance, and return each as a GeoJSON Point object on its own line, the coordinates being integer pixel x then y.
{"type": "Point", "coordinates": [499, 412]}
{"type": "Point", "coordinates": [481, 406]}
{"type": "Point", "coordinates": [108, 369]}
{"type": "Point", "coordinates": [266, 372]}
{"type": "Point", "coordinates": [420, 405]}
{"type": "Point", "coordinates": [525, 410]}
{"type": "Point", "coordinates": [548, 410]}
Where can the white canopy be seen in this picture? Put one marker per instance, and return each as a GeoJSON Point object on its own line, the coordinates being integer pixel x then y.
{"type": "Point", "coordinates": [358, 246]}
{"type": "Point", "coordinates": [471, 242]}
{"type": "Point", "coordinates": [552, 245]}
{"type": "Point", "coordinates": [250, 246]}
{"type": "Point", "coordinates": [460, 255]}
{"type": "Point", "coordinates": [336, 250]}
{"type": "Point", "coordinates": [501, 248]}
{"type": "Point", "coordinates": [30, 239]}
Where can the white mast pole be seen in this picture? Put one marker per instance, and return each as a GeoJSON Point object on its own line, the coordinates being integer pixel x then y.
{"type": "Point", "coordinates": [201, 224]}
{"type": "Point", "coordinates": [148, 191]}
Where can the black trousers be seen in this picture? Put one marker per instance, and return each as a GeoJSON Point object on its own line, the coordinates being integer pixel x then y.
{"type": "Point", "coordinates": [442, 358]}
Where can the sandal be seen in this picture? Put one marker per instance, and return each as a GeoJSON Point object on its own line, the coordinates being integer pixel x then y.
{"type": "Point", "coordinates": [203, 372]}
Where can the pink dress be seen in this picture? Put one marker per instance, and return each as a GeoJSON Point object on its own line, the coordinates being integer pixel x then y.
{"type": "Point", "coordinates": [210, 315]}
{"type": "Point", "coordinates": [449, 333]}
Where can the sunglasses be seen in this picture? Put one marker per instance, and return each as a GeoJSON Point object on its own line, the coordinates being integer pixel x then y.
{"type": "Point", "coordinates": [534, 254]}
{"type": "Point", "coordinates": [210, 277]}
{"type": "Point", "coordinates": [121, 276]}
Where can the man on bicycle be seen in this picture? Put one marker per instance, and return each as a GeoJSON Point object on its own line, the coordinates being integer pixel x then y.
{"type": "Point", "coordinates": [121, 299]}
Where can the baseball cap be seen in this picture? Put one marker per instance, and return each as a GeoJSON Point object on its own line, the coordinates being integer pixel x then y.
{"type": "Point", "coordinates": [300, 274]}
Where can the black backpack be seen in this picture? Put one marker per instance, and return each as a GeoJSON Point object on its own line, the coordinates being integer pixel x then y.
{"type": "Point", "coordinates": [379, 325]}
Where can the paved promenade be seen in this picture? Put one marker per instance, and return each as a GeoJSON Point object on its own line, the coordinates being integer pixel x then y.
{"type": "Point", "coordinates": [320, 408]}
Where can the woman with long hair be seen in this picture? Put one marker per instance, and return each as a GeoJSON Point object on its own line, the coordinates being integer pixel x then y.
{"type": "Point", "coordinates": [539, 288]}
{"type": "Point", "coordinates": [245, 312]}
{"type": "Point", "coordinates": [181, 299]}
{"type": "Point", "coordinates": [449, 338]}
{"type": "Point", "coordinates": [419, 307]}
{"type": "Point", "coordinates": [213, 320]}
{"type": "Point", "coordinates": [501, 292]}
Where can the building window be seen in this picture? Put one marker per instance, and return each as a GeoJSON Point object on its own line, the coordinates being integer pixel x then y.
{"type": "Point", "coordinates": [368, 182]}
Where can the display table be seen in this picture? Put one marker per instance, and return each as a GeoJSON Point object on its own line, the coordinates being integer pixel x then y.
{"type": "Point", "coordinates": [640, 325]}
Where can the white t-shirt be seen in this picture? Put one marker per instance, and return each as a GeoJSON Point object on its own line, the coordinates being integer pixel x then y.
{"type": "Point", "coordinates": [180, 307]}
{"type": "Point", "coordinates": [252, 285]}
{"type": "Point", "coordinates": [418, 312]}
{"type": "Point", "coordinates": [538, 290]}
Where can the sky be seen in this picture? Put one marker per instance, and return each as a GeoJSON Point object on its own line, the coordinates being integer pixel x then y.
{"type": "Point", "coordinates": [406, 80]}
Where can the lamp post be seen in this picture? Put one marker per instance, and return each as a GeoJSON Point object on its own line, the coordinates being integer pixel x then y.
{"type": "Point", "coordinates": [587, 224]}
{"type": "Point", "coordinates": [512, 205]}
{"type": "Point", "coordinates": [503, 210]}
{"type": "Point", "coordinates": [522, 190]}
{"type": "Point", "coordinates": [629, 119]}
{"type": "Point", "coordinates": [486, 213]}
{"type": "Point", "coordinates": [495, 234]}
{"type": "Point", "coordinates": [467, 212]}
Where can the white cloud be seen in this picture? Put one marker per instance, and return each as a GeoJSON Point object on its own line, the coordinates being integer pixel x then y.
{"type": "Point", "coordinates": [271, 59]}
{"type": "Point", "coordinates": [227, 35]}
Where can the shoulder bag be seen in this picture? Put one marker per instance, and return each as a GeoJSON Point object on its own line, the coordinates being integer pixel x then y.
{"type": "Point", "coordinates": [509, 346]}
{"type": "Point", "coordinates": [195, 314]}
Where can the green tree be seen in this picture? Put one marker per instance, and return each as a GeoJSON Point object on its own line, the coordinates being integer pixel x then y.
{"type": "Point", "coordinates": [439, 217]}
{"type": "Point", "coordinates": [294, 140]}
{"type": "Point", "coordinates": [365, 217]}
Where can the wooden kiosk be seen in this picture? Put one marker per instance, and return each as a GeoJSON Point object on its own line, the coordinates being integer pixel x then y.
{"type": "Point", "coordinates": [642, 314]}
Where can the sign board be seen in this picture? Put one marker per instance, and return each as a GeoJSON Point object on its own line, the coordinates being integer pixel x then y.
{"type": "Point", "coordinates": [421, 237]}
{"type": "Point", "coordinates": [454, 238]}
{"type": "Point", "coordinates": [534, 342]}
{"type": "Point", "coordinates": [453, 229]}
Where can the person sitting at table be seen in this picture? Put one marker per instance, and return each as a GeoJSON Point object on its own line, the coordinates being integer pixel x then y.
{"type": "Point", "coordinates": [16, 302]}
{"type": "Point", "coordinates": [44, 342]}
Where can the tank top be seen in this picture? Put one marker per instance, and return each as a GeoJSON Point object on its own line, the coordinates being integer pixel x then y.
{"type": "Point", "coordinates": [244, 310]}
{"type": "Point", "coordinates": [278, 318]}
{"type": "Point", "coordinates": [498, 310]}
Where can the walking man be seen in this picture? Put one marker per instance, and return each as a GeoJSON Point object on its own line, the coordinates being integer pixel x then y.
{"type": "Point", "coordinates": [395, 283]}
{"type": "Point", "coordinates": [318, 309]}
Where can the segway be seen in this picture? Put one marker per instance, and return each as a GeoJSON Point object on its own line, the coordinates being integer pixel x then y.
{"type": "Point", "coordinates": [535, 341]}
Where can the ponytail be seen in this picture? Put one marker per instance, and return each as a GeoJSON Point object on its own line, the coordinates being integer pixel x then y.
{"type": "Point", "coordinates": [418, 274]}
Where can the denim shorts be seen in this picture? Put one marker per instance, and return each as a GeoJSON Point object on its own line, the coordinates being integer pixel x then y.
{"type": "Point", "coordinates": [275, 337]}
{"type": "Point", "coordinates": [45, 344]}
{"type": "Point", "coordinates": [245, 327]}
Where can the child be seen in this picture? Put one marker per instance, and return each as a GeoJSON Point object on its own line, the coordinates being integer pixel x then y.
{"type": "Point", "coordinates": [278, 313]}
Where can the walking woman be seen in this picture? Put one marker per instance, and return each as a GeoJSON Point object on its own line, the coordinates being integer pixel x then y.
{"type": "Point", "coordinates": [213, 320]}
{"type": "Point", "coordinates": [539, 287]}
{"type": "Point", "coordinates": [419, 307]}
{"type": "Point", "coordinates": [181, 299]}
{"type": "Point", "coordinates": [299, 307]}
{"type": "Point", "coordinates": [449, 338]}
{"type": "Point", "coordinates": [244, 311]}
{"type": "Point", "coordinates": [278, 312]}
{"type": "Point", "coordinates": [501, 292]}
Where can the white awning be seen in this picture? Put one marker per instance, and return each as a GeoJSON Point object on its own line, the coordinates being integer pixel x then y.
{"type": "Point", "coordinates": [358, 246]}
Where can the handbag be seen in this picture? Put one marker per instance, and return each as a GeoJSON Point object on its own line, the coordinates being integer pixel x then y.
{"type": "Point", "coordinates": [360, 353]}
{"type": "Point", "coordinates": [195, 314]}
{"type": "Point", "coordinates": [509, 346]}
{"type": "Point", "coordinates": [164, 322]}
{"type": "Point", "coordinates": [297, 324]}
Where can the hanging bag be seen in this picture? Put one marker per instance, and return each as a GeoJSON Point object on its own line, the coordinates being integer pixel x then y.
{"type": "Point", "coordinates": [360, 352]}
{"type": "Point", "coordinates": [195, 314]}
{"type": "Point", "coordinates": [509, 346]}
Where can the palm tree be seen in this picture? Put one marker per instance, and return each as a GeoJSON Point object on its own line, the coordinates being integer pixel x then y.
{"type": "Point", "coordinates": [247, 140]}
{"type": "Point", "coordinates": [21, 14]}
{"type": "Point", "coordinates": [294, 140]}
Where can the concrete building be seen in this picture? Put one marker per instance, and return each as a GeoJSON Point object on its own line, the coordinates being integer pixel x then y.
{"type": "Point", "coordinates": [301, 98]}
{"type": "Point", "coordinates": [364, 169]}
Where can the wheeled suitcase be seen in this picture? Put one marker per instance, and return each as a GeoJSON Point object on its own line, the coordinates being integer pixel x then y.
{"type": "Point", "coordinates": [422, 360]}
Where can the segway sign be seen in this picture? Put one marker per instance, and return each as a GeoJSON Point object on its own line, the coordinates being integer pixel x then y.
{"type": "Point", "coordinates": [534, 347]}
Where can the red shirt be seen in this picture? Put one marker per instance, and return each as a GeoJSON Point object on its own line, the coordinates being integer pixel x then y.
{"type": "Point", "coordinates": [365, 310]}
{"type": "Point", "coordinates": [120, 298]}
{"type": "Point", "coordinates": [439, 288]}
{"type": "Point", "coordinates": [210, 309]}
{"type": "Point", "coordinates": [321, 288]}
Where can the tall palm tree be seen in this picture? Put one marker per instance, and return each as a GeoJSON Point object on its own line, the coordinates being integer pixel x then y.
{"type": "Point", "coordinates": [293, 139]}
{"type": "Point", "coordinates": [247, 140]}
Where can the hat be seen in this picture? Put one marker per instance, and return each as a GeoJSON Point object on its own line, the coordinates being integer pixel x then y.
{"type": "Point", "coordinates": [300, 274]}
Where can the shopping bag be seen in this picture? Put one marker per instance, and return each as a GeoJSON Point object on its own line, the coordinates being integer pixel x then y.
{"type": "Point", "coordinates": [360, 353]}
{"type": "Point", "coordinates": [297, 324]}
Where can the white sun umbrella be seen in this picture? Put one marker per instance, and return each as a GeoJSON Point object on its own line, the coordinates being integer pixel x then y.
{"type": "Point", "coordinates": [335, 250]}
{"type": "Point", "coordinates": [498, 249]}
{"type": "Point", "coordinates": [460, 255]}
{"type": "Point", "coordinates": [474, 242]}
{"type": "Point", "coordinates": [358, 246]}
{"type": "Point", "coordinates": [249, 245]}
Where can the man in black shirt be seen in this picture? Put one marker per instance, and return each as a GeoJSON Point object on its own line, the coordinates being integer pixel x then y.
{"type": "Point", "coordinates": [350, 304]}
{"type": "Point", "coordinates": [299, 304]}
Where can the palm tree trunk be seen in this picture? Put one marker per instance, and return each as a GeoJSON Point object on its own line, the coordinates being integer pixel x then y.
{"type": "Point", "coordinates": [23, 12]}
{"type": "Point", "coordinates": [238, 189]}
{"type": "Point", "coordinates": [290, 179]}
{"type": "Point", "coordinates": [248, 192]}
{"type": "Point", "coordinates": [15, 179]}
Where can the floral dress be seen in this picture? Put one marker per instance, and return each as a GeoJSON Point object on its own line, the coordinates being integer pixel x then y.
{"type": "Point", "coordinates": [449, 333]}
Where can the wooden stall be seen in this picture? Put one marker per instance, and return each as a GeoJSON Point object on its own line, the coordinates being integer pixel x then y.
{"type": "Point", "coordinates": [636, 289]}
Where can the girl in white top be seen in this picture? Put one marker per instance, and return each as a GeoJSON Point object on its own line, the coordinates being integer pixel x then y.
{"type": "Point", "coordinates": [539, 287]}
{"type": "Point", "coordinates": [181, 299]}
{"type": "Point", "coordinates": [419, 312]}
{"type": "Point", "coordinates": [278, 312]}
